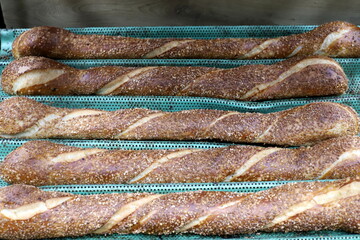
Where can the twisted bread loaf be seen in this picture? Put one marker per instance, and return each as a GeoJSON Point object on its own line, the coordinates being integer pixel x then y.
{"type": "Point", "coordinates": [297, 77]}
{"type": "Point", "coordinates": [335, 39]}
{"type": "Point", "coordinates": [45, 163]}
{"type": "Point", "coordinates": [25, 118]}
{"type": "Point", "coordinates": [27, 212]}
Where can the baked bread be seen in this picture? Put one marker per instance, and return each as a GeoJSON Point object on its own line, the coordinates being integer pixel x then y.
{"type": "Point", "coordinates": [46, 163]}
{"type": "Point", "coordinates": [334, 39]}
{"type": "Point", "coordinates": [28, 212]}
{"type": "Point", "coordinates": [296, 77]}
{"type": "Point", "coordinates": [25, 118]}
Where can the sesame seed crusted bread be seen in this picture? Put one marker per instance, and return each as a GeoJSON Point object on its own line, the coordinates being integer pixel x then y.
{"type": "Point", "coordinates": [46, 163]}
{"type": "Point", "coordinates": [22, 117]}
{"type": "Point", "coordinates": [295, 77]}
{"type": "Point", "coordinates": [28, 212]}
{"type": "Point", "coordinates": [334, 39]}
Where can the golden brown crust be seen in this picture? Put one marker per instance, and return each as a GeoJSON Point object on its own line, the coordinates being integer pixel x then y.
{"type": "Point", "coordinates": [307, 206]}
{"type": "Point", "coordinates": [46, 163]}
{"type": "Point", "coordinates": [25, 118]}
{"type": "Point", "coordinates": [296, 77]}
{"type": "Point", "coordinates": [335, 39]}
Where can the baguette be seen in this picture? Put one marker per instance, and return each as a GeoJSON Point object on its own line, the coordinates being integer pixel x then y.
{"type": "Point", "coordinates": [22, 117]}
{"type": "Point", "coordinates": [297, 77]}
{"type": "Point", "coordinates": [46, 163]}
{"type": "Point", "coordinates": [334, 39]}
{"type": "Point", "coordinates": [28, 212]}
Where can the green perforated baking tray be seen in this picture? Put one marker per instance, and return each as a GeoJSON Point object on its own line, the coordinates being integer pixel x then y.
{"type": "Point", "coordinates": [351, 67]}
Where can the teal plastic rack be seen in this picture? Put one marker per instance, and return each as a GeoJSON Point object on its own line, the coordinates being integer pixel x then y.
{"type": "Point", "coordinates": [351, 98]}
